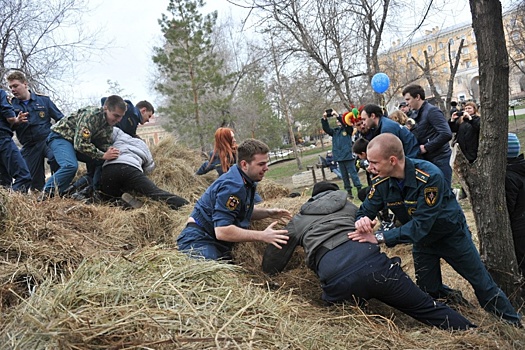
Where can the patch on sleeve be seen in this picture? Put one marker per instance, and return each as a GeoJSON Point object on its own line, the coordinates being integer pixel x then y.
{"type": "Point", "coordinates": [232, 203]}
{"type": "Point", "coordinates": [431, 194]}
{"type": "Point", "coordinates": [371, 192]}
{"type": "Point", "coordinates": [86, 133]}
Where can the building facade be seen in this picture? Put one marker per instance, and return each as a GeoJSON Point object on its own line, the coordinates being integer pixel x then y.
{"type": "Point", "coordinates": [404, 62]}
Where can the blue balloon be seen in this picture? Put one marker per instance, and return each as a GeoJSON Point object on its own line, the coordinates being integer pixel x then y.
{"type": "Point", "coordinates": [380, 82]}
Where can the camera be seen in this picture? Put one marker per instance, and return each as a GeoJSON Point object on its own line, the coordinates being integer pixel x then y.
{"type": "Point", "coordinates": [329, 113]}
{"type": "Point", "coordinates": [460, 113]}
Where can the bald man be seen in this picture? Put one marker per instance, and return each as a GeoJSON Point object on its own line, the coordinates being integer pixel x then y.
{"type": "Point", "coordinates": [432, 220]}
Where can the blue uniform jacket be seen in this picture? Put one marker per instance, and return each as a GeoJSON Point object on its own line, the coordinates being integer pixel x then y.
{"type": "Point", "coordinates": [6, 112]}
{"type": "Point", "coordinates": [410, 144]}
{"type": "Point", "coordinates": [424, 204]}
{"type": "Point", "coordinates": [432, 131]}
{"type": "Point", "coordinates": [341, 141]}
{"type": "Point", "coordinates": [228, 201]}
{"type": "Point", "coordinates": [41, 110]}
{"type": "Point", "coordinates": [130, 121]}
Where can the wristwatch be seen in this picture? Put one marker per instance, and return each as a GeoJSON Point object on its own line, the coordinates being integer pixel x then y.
{"type": "Point", "coordinates": [380, 238]}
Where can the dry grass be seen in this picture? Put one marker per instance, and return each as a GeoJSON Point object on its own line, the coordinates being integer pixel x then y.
{"type": "Point", "coordinates": [76, 276]}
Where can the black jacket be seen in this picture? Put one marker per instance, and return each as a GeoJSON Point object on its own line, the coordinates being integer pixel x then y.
{"type": "Point", "coordinates": [515, 189]}
{"type": "Point", "coordinates": [467, 136]}
{"type": "Point", "coordinates": [432, 131]}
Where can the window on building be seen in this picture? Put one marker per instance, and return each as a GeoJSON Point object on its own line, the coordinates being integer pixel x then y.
{"type": "Point", "coordinates": [515, 36]}
{"type": "Point", "coordinates": [432, 60]}
{"type": "Point", "coordinates": [441, 45]}
{"type": "Point", "coordinates": [422, 63]}
{"type": "Point", "coordinates": [459, 80]}
{"type": "Point", "coordinates": [445, 70]}
{"type": "Point", "coordinates": [400, 58]}
{"type": "Point", "coordinates": [464, 50]}
{"type": "Point", "coordinates": [468, 64]}
{"type": "Point", "coordinates": [443, 58]}
{"type": "Point", "coordinates": [451, 41]}
{"type": "Point", "coordinates": [419, 52]}
{"type": "Point", "coordinates": [475, 48]}
{"type": "Point", "coordinates": [409, 55]}
{"type": "Point", "coordinates": [429, 48]}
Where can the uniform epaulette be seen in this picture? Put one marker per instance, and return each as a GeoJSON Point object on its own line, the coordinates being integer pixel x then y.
{"type": "Point", "coordinates": [422, 176]}
{"type": "Point", "coordinates": [378, 179]}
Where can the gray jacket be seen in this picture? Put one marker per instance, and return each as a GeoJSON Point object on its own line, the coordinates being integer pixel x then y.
{"type": "Point", "coordinates": [322, 224]}
{"type": "Point", "coordinates": [133, 152]}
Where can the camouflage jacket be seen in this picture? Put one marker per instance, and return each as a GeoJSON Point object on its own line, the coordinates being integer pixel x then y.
{"type": "Point", "coordinates": [87, 130]}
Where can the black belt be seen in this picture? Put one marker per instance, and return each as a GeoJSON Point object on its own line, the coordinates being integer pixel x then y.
{"type": "Point", "coordinates": [192, 224]}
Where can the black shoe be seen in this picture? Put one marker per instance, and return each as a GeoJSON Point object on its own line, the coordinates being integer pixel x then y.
{"type": "Point", "coordinates": [70, 190]}
{"type": "Point", "coordinates": [84, 194]}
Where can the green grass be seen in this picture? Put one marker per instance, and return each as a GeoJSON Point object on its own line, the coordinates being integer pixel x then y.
{"type": "Point", "coordinates": [286, 169]}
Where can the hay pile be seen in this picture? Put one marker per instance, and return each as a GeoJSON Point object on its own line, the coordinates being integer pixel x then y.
{"type": "Point", "coordinates": [77, 276]}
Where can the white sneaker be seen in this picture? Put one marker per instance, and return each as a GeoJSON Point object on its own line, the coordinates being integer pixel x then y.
{"type": "Point", "coordinates": [131, 201]}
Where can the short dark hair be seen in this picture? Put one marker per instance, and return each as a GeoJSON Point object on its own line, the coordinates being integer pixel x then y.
{"type": "Point", "coordinates": [249, 148]}
{"type": "Point", "coordinates": [147, 105]}
{"type": "Point", "coordinates": [113, 102]}
{"type": "Point", "coordinates": [360, 145]}
{"type": "Point", "coordinates": [414, 90]}
{"type": "Point", "coordinates": [375, 109]}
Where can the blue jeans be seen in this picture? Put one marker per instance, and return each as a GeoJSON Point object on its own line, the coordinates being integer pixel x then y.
{"type": "Point", "coordinates": [34, 156]}
{"type": "Point", "coordinates": [196, 243]}
{"type": "Point", "coordinates": [458, 250]}
{"type": "Point", "coordinates": [66, 159]}
{"type": "Point", "coordinates": [348, 167]}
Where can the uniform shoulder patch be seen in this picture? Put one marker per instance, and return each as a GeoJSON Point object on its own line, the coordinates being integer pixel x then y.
{"type": "Point", "coordinates": [422, 176]}
{"type": "Point", "coordinates": [86, 133]}
{"type": "Point", "coordinates": [378, 179]}
{"type": "Point", "coordinates": [233, 202]}
{"type": "Point", "coordinates": [431, 194]}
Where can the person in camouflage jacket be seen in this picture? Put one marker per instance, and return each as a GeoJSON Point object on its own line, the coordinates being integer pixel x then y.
{"type": "Point", "coordinates": [83, 136]}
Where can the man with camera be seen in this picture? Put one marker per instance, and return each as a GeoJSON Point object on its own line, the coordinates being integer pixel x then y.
{"type": "Point", "coordinates": [342, 149]}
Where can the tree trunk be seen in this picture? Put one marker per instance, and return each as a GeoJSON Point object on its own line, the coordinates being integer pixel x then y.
{"type": "Point", "coordinates": [485, 178]}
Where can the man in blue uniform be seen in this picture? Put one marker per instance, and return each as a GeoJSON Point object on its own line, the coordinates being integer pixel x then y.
{"type": "Point", "coordinates": [135, 115]}
{"type": "Point", "coordinates": [432, 220]}
{"type": "Point", "coordinates": [351, 270]}
{"type": "Point", "coordinates": [12, 164]}
{"type": "Point", "coordinates": [32, 130]}
{"type": "Point", "coordinates": [373, 118]}
{"type": "Point", "coordinates": [222, 215]}
{"type": "Point", "coordinates": [342, 150]}
{"type": "Point", "coordinates": [431, 130]}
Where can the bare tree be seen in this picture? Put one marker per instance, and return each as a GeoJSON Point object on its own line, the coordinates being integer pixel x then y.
{"type": "Point", "coordinates": [334, 34]}
{"type": "Point", "coordinates": [44, 40]}
{"type": "Point", "coordinates": [486, 176]}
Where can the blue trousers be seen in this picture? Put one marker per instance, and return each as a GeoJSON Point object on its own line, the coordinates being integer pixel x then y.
{"type": "Point", "coordinates": [382, 278]}
{"type": "Point", "coordinates": [458, 250]}
{"type": "Point", "coordinates": [348, 167]}
{"type": "Point", "coordinates": [34, 155]}
{"type": "Point", "coordinates": [443, 163]}
{"type": "Point", "coordinates": [195, 242]}
{"type": "Point", "coordinates": [13, 166]}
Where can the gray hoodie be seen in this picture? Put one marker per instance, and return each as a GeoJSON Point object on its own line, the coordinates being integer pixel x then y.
{"type": "Point", "coordinates": [133, 152]}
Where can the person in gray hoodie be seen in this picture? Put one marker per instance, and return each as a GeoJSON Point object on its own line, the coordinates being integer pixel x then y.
{"type": "Point", "coordinates": [351, 270]}
{"type": "Point", "coordinates": [127, 173]}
